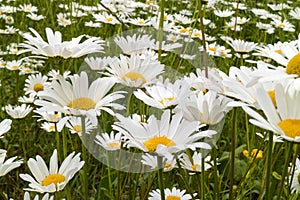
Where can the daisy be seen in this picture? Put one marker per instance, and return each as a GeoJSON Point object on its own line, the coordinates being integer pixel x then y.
{"type": "Point", "coordinates": [28, 8]}
{"type": "Point", "coordinates": [35, 83]}
{"type": "Point", "coordinates": [283, 118]}
{"type": "Point", "coordinates": [9, 164]}
{"type": "Point", "coordinates": [151, 161]}
{"type": "Point", "coordinates": [294, 178]}
{"type": "Point", "coordinates": [106, 18]}
{"type": "Point", "coordinates": [18, 112]}
{"type": "Point", "coordinates": [295, 13]}
{"type": "Point", "coordinates": [5, 126]}
{"type": "Point", "coordinates": [164, 94]}
{"type": "Point", "coordinates": [55, 74]}
{"type": "Point", "coordinates": [53, 179]}
{"type": "Point", "coordinates": [63, 20]}
{"type": "Point", "coordinates": [134, 44]}
{"type": "Point", "coordinates": [48, 116]}
{"type": "Point", "coordinates": [98, 64]}
{"type": "Point", "coordinates": [169, 194]}
{"type": "Point", "coordinates": [14, 65]}
{"type": "Point", "coordinates": [92, 24]}
{"type": "Point", "coordinates": [166, 136]}
{"type": "Point", "coordinates": [223, 13]}
{"type": "Point", "coordinates": [241, 47]}
{"type": "Point", "coordinates": [208, 108]}
{"type": "Point", "coordinates": [74, 125]}
{"type": "Point", "coordinates": [135, 71]}
{"type": "Point", "coordinates": [279, 7]}
{"type": "Point", "coordinates": [35, 17]}
{"type": "Point", "coordinates": [27, 99]}
{"type": "Point", "coordinates": [56, 48]}
{"type": "Point", "coordinates": [194, 164]}
{"type": "Point", "coordinates": [110, 142]}
{"type": "Point", "coordinates": [139, 21]}
{"type": "Point", "coordinates": [284, 25]}
{"type": "Point", "coordinates": [45, 197]}
{"type": "Point", "coordinates": [48, 126]}
{"type": "Point", "coordinates": [78, 98]}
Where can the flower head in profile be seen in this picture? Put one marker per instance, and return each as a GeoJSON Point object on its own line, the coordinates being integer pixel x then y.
{"type": "Point", "coordinates": [5, 126]}
{"type": "Point", "coordinates": [170, 194]}
{"type": "Point", "coordinates": [18, 112]}
{"type": "Point", "coordinates": [79, 98]}
{"type": "Point", "coordinates": [194, 164]}
{"type": "Point", "coordinates": [282, 118]}
{"type": "Point", "coordinates": [9, 164]}
{"type": "Point", "coordinates": [110, 142]}
{"type": "Point", "coordinates": [54, 178]}
{"type": "Point", "coordinates": [55, 47]}
{"type": "Point", "coordinates": [135, 71]}
{"type": "Point", "coordinates": [169, 135]}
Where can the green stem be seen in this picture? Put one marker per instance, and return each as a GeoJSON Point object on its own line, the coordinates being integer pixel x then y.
{"type": "Point", "coordinates": [285, 168]}
{"type": "Point", "coordinates": [215, 173]}
{"type": "Point", "coordinates": [160, 28]}
{"type": "Point", "coordinates": [203, 41]}
{"type": "Point", "coordinates": [65, 149]}
{"type": "Point", "coordinates": [233, 133]}
{"type": "Point", "coordinates": [160, 176]}
{"type": "Point", "coordinates": [202, 178]}
{"type": "Point", "coordinates": [84, 157]}
{"type": "Point", "coordinates": [269, 166]}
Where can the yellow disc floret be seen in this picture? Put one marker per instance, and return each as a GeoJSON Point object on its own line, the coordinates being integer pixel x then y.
{"type": "Point", "coordinates": [196, 167]}
{"type": "Point", "coordinates": [290, 127]}
{"type": "Point", "coordinates": [152, 143]}
{"type": "Point", "coordinates": [173, 197]}
{"type": "Point", "coordinates": [134, 76]}
{"type": "Point", "coordinates": [53, 178]}
{"type": "Point", "coordinates": [77, 128]}
{"type": "Point", "coordinates": [82, 103]}
{"type": "Point", "coordinates": [293, 67]}
{"type": "Point", "coordinates": [273, 97]}
{"type": "Point", "coordinates": [38, 87]}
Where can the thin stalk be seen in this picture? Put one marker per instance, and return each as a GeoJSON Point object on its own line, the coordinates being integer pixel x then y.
{"type": "Point", "coordinates": [65, 149]}
{"type": "Point", "coordinates": [269, 166]}
{"type": "Point", "coordinates": [215, 174]}
{"type": "Point", "coordinates": [160, 176]}
{"type": "Point", "coordinates": [57, 138]}
{"type": "Point", "coordinates": [202, 179]}
{"type": "Point", "coordinates": [203, 41]}
{"type": "Point", "coordinates": [84, 157]}
{"type": "Point", "coordinates": [160, 28]}
{"type": "Point", "coordinates": [233, 133]}
{"type": "Point", "coordinates": [285, 168]}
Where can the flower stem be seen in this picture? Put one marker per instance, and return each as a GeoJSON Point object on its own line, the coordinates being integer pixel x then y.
{"type": "Point", "coordinates": [84, 157]}
{"type": "Point", "coordinates": [160, 28]}
{"type": "Point", "coordinates": [285, 168]}
{"type": "Point", "coordinates": [233, 132]}
{"type": "Point", "coordinates": [203, 41]}
{"type": "Point", "coordinates": [269, 166]}
{"type": "Point", "coordinates": [202, 178]}
{"type": "Point", "coordinates": [160, 176]}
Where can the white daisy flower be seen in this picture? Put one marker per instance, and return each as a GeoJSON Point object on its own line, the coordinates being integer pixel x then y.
{"type": "Point", "coordinates": [48, 126]}
{"type": "Point", "coordinates": [194, 164]}
{"type": "Point", "coordinates": [106, 18]}
{"type": "Point", "coordinates": [54, 74]}
{"type": "Point", "coordinates": [35, 17]}
{"type": "Point", "coordinates": [164, 94]}
{"type": "Point", "coordinates": [284, 25]}
{"type": "Point", "coordinates": [164, 137]}
{"type": "Point", "coordinates": [295, 187]}
{"type": "Point", "coordinates": [14, 65]}
{"type": "Point", "coordinates": [98, 64]}
{"type": "Point", "coordinates": [78, 98]}
{"type": "Point", "coordinates": [48, 116]}
{"type": "Point", "coordinates": [74, 125]}
{"type": "Point", "coordinates": [151, 161]}
{"type": "Point", "coordinates": [27, 99]}
{"type": "Point", "coordinates": [282, 118]}
{"type": "Point", "coordinates": [45, 197]}
{"type": "Point", "coordinates": [28, 8]}
{"type": "Point", "coordinates": [241, 46]}
{"type": "Point", "coordinates": [18, 112]}
{"type": "Point", "coordinates": [209, 108]}
{"type": "Point", "coordinates": [223, 13]}
{"type": "Point", "coordinates": [135, 44]}
{"type": "Point", "coordinates": [135, 71]}
{"type": "Point", "coordinates": [53, 179]}
{"type": "Point", "coordinates": [56, 48]}
{"type": "Point", "coordinates": [5, 126]}
{"type": "Point", "coordinates": [170, 194]}
{"type": "Point", "coordinates": [110, 142]}
{"type": "Point", "coordinates": [35, 83]}
{"type": "Point", "coordinates": [139, 21]}
{"type": "Point", "coordinates": [295, 13]}
{"type": "Point", "coordinates": [9, 164]}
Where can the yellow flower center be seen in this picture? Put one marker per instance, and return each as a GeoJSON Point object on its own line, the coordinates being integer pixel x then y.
{"type": "Point", "coordinates": [281, 25]}
{"type": "Point", "coordinates": [196, 34]}
{"type": "Point", "coordinates": [109, 19]}
{"type": "Point", "coordinates": [77, 128]}
{"type": "Point", "coordinates": [162, 101]}
{"type": "Point", "coordinates": [152, 143]}
{"type": "Point", "coordinates": [52, 128]}
{"type": "Point", "coordinates": [114, 144]}
{"type": "Point", "coordinates": [293, 67]}
{"type": "Point", "coordinates": [196, 167]}
{"type": "Point", "coordinates": [38, 87]}
{"type": "Point", "coordinates": [53, 178]}
{"type": "Point", "coordinates": [141, 22]}
{"type": "Point", "coordinates": [134, 76]}
{"type": "Point", "coordinates": [278, 51]}
{"type": "Point", "coordinates": [82, 103]}
{"type": "Point", "coordinates": [15, 67]}
{"type": "Point", "coordinates": [184, 30]}
{"type": "Point", "coordinates": [212, 49]}
{"type": "Point", "coordinates": [272, 96]}
{"type": "Point", "coordinates": [290, 127]}
{"type": "Point", "coordinates": [171, 197]}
